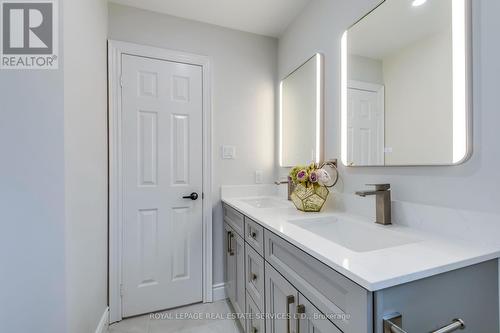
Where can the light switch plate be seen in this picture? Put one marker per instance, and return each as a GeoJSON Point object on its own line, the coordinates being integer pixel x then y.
{"type": "Point", "coordinates": [228, 152]}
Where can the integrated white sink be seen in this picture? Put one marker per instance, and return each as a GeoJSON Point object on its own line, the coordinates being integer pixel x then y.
{"type": "Point", "coordinates": [353, 235]}
{"type": "Point", "coordinates": [265, 202]}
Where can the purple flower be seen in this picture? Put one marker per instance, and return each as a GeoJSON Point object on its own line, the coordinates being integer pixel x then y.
{"type": "Point", "coordinates": [313, 177]}
{"type": "Point", "coordinates": [301, 175]}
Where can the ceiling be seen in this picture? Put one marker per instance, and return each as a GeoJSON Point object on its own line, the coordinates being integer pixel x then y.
{"type": "Point", "coordinates": [396, 24]}
{"type": "Point", "coordinates": [263, 17]}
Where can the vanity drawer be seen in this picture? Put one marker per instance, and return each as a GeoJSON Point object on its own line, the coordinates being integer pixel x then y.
{"type": "Point", "coordinates": [348, 305]}
{"type": "Point", "coordinates": [235, 219]}
{"type": "Point", "coordinates": [254, 235]}
{"type": "Point", "coordinates": [254, 267]}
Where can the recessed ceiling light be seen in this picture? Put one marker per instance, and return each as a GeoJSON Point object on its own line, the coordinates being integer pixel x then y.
{"type": "Point", "coordinates": [417, 3]}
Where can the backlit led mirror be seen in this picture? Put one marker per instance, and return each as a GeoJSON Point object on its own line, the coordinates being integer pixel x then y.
{"type": "Point", "coordinates": [300, 114]}
{"type": "Point", "coordinates": [405, 92]}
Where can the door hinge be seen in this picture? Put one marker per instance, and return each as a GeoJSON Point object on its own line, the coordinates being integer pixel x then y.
{"type": "Point", "coordinates": [202, 195]}
{"type": "Point", "coordinates": [121, 81]}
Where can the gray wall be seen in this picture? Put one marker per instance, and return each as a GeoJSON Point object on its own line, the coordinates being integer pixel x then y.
{"type": "Point", "coordinates": [32, 267]}
{"type": "Point", "coordinates": [85, 147]}
{"type": "Point", "coordinates": [53, 186]}
{"type": "Point", "coordinates": [243, 75]}
{"type": "Point", "coordinates": [473, 185]}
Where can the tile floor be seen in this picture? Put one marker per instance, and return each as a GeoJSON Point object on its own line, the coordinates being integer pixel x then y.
{"type": "Point", "coordinates": [171, 321]}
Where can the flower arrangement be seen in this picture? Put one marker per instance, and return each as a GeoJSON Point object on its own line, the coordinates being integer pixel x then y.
{"type": "Point", "coordinates": [311, 187]}
{"type": "Point", "coordinates": [310, 176]}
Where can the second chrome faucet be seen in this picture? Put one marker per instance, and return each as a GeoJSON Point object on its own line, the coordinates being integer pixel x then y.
{"type": "Point", "coordinates": [383, 202]}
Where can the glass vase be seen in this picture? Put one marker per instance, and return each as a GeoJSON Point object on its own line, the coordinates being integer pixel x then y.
{"type": "Point", "coordinates": [309, 199]}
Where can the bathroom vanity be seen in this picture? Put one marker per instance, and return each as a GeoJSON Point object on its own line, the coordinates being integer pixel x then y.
{"type": "Point", "coordinates": [336, 272]}
{"type": "Point", "coordinates": [293, 272]}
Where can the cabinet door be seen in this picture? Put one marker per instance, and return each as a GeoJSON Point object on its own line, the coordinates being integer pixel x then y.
{"type": "Point", "coordinates": [255, 317]}
{"type": "Point", "coordinates": [240, 280]}
{"type": "Point", "coordinates": [281, 301]}
{"type": "Point", "coordinates": [230, 272]}
{"type": "Point", "coordinates": [235, 271]}
{"type": "Point", "coordinates": [311, 320]}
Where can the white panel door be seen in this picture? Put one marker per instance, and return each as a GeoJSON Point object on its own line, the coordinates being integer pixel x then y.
{"type": "Point", "coordinates": [162, 162]}
{"type": "Point", "coordinates": [365, 128]}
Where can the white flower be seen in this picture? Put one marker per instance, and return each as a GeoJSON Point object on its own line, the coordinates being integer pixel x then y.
{"type": "Point", "coordinates": [323, 177]}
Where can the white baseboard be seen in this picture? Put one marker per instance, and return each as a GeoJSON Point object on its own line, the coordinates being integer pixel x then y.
{"type": "Point", "coordinates": [103, 323]}
{"type": "Point", "coordinates": [219, 292]}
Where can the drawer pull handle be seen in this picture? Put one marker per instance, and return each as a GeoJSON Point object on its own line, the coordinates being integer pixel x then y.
{"type": "Point", "coordinates": [253, 234]}
{"type": "Point", "coordinates": [289, 301]}
{"type": "Point", "coordinates": [301, 309]}
{"type": "Point", "coordinates": [393, 323]}
{"type": "Point", "coordinates": [230, 243]}
{"type": "Point", "coordinates": [254, 276]}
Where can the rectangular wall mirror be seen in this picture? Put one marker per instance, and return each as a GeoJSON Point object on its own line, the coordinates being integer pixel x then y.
{"type": "Point", "coordinates": [406, 85]}
{"type": "Point", "coordinates": [300, 114]}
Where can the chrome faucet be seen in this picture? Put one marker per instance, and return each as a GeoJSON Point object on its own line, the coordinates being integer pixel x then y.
{"type": "Point", "coordinates": [383, 202]}
{"type": "Point", "coordinates": [290, 185]}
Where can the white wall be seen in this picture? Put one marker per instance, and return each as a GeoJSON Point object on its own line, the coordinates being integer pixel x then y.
{"type": "Point", "coordinates": [85, 148]}
{"type": "Point", "coordinates": [244, 76]}
{"type": "Point", "coordinates": [32, 266]}
{"type": "Point", "coordinates": [473, 185]}
{"type": "Point", "coordinates": [419, 102]}
{"type": "Point", "coordinates": [365, 69]}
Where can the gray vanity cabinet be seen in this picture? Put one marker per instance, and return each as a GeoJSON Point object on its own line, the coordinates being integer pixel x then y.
{"type": "Point", "coordinates": [302, 316]}
{"type": "Point", "coordinates": [311, 320]}
{"type": "Point", "coordinates": [348, 305]}
{"type": "Point", "coordinates": [235, 271]}
{"type": "Point", "coordinates": [266, 274]}
{"type": "Point", "coordinates": [281, 303]}
{"type": "Point", "coordinates": [469, 293]}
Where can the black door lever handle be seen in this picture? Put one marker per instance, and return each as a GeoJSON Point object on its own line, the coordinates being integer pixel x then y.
{"type": "Point", "coordinates": [192, 196]}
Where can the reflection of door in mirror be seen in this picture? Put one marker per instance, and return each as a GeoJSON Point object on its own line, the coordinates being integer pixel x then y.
{"type": "Point", "coordinates": [365, 123]}
{"type": "Point", "coordinates": [405, 87]}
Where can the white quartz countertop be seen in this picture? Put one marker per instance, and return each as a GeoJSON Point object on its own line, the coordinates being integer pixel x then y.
{"type": "Point", "coordinates": [376, 269]}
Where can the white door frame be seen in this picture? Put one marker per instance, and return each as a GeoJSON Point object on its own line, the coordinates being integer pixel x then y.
{"type": "Point", "coordinates": [115, 51]}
